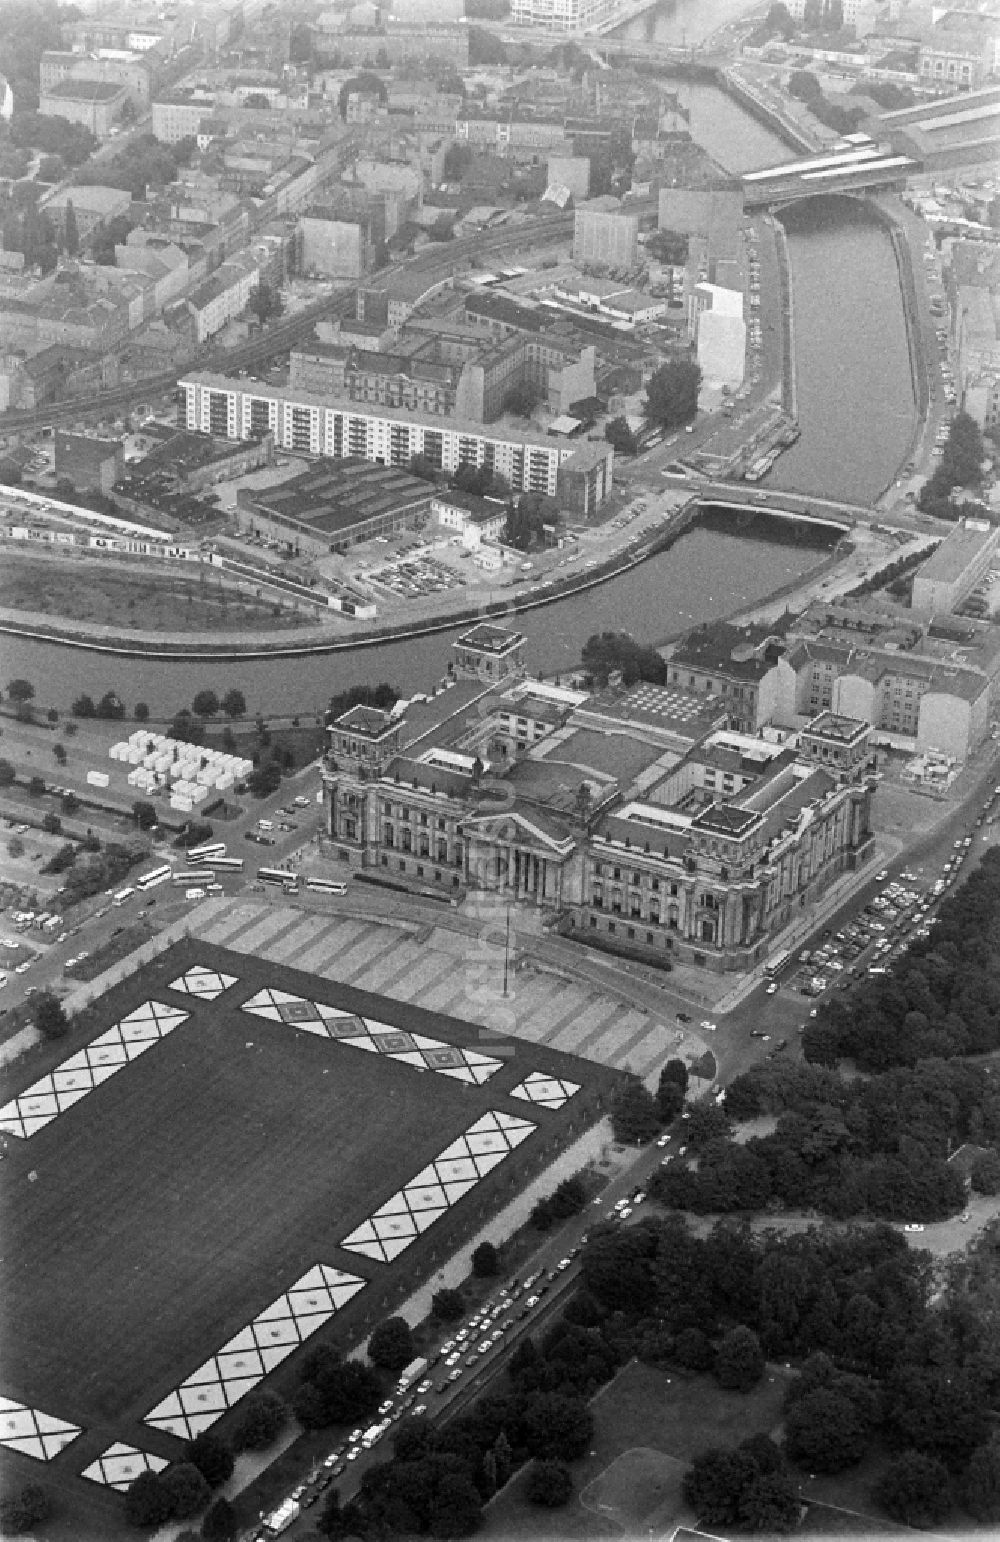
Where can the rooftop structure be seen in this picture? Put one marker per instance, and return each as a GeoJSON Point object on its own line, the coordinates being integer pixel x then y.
{"type": "Point", "coordinates": [334, 505]}
{"type": "Point", "coordinates": [950, 574]}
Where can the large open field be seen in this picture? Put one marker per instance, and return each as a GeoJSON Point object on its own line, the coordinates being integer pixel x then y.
{"type": "Point", "coordinates": [180, 1199]}
{"type": "Point", "coordinates": [154, 600]}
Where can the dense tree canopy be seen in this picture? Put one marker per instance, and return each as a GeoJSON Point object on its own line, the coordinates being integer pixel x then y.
{"type": "Point", "coordinates": [739, 1360]}
{"type": "Point", "coordinates": [527, 517]}
{"type": "Point", "coordinates": [746, 1486]}
{"type": "Point", "coordinates": [485, 1261]}
{"type": "Point", "coordinates": [263, 1416]}
{"type": "Point", "coordinates": [915, 1489]}
{"type": "Point", "coordinates": [618, 434]}
{"type": "Point", "coordinates": [672, 393]}
{"type": "Point", "coordinates": [550, 1484]}
{"type": "Point", "coordinates": [960, 466]}
{"type": "Point", "coordinates": [604, 652]}
{"type": "Point", "coordinates": [635, 1114]}
{"type": "Point", "coordinates": [50, 1016]}
{"type": "Point", "coordinates": [391, 1345]}
{"type": "Point", "coordinates": [212, 1457]}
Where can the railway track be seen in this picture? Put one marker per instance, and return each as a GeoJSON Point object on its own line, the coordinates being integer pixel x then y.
{"type": "Point", "coordinates": [283, 333]}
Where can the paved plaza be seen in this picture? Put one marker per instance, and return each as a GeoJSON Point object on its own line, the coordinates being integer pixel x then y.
{"type": "Point", "coordinates": [450, 972]}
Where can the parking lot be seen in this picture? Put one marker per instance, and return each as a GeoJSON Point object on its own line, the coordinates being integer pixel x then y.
{"type": "Point", "coordinates": [413, 577]}
{"type": "Point", "coordinates": [869, 942]}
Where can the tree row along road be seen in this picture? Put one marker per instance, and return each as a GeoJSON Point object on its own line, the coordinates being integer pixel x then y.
{"type": "Point", "coordinates": [282, 333]}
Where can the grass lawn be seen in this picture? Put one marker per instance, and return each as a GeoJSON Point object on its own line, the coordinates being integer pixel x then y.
{"type": "Point", "coordinates": [648, 1426]}
{"type": "Point", "coordinates": [183, 1195]}
{"type": "Point", "coordinates": [637, 1486]}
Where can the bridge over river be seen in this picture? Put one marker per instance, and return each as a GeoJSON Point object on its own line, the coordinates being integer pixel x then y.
{"type": "Point", "coordinates": [859, 167]}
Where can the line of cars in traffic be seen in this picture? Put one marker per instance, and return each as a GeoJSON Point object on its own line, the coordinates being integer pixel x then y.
{"type": "Point", "coordinates": [467, 1348]}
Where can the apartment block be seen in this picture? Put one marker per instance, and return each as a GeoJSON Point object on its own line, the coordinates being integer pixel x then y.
{"type": "Point", "coordinates": [316, 425]}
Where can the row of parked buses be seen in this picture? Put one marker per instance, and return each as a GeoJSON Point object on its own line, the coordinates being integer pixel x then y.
{"type": "Point", "coordinates": [291, 882]}
{"type": "Point", "coordinates": [208, 862]}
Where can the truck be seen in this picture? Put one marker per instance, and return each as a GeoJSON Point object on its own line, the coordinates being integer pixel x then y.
{"type": "Point", "coordinates": [374, 1434]}
{"type": "Point", "coordinates": [280, 1519]}
{"type": "Point", "coordinates": [410, 1374]}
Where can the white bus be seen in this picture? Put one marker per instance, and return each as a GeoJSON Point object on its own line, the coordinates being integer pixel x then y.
{"type": "Point", "coordinates": [225, 864]}
{"type": "Point", "coordinates": [156, 875]}
{"type": "Point", "coordinates": [277, 875]}
{"type": "Point", "coordinates": [205, 853]}
{"type": "Point", "coordinates": [775, 964]}
{"type": "Point", "coordinates": [122, 897]}
{"type": "Point", "coordinates": [194, 875]}
{"type": "Point", "coordinates": [325, 886]}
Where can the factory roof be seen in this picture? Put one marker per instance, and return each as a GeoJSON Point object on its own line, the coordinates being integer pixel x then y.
{"type": "Point", "coordinates": [334, 496]}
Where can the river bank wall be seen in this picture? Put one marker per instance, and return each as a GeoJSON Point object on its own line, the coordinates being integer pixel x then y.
{"type": "Point", "coordinates": [912, 321]}
{"type": "Point", "coordinates": [95, 639]}
{"type": "Point", "coordinates": [178, 648]}
{"type": "Point", "coordinates": [786, 304]}
{"type": "Point", "coordinates": [770, 116]}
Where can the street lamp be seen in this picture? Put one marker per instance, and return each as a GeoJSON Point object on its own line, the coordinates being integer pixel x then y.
{"type": "Point", "coordinates": [506, 955]}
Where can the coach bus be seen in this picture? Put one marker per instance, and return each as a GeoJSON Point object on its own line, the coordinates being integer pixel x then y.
{"type": "Point", "coordinates": [122, 897]}
{"type": "Point", "coordinates": [325, 886]}
{"type": "Point", "coordinates": [203, 853]}
{"type": "Point", "coordinates": [277, 875]}
{"type": "Point", "coordinates": [194, 875]}
{"type": "Point", "coordinates": [156, 875]}
{"type": "Point", "coordinates": [225, 864]}
{"type": "Point", "coordinates": [775, 964]}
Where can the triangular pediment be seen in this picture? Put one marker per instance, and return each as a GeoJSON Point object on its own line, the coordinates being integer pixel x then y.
{"type": "Point", "coordinates": [518, 828]}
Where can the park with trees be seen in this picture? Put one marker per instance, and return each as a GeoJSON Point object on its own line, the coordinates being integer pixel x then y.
{"type": "Point", "coordinates": [885, 1361]}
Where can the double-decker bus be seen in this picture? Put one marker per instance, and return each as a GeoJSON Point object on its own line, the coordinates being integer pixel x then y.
{"type": "Point", "coordinates": [325, 886]}
{"type": "Point", "coordinates": [225, 864]}
{"type": "Point", "coordinates": [203, 853]}
{"type": "Point", "coordinates": [280, 875]}
{"type": "Point", "coordinates": [194, 875]}
{"type": "Point", "coordinates": [154, 876]}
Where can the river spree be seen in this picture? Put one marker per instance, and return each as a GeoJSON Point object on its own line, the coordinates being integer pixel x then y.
{"type": "Point", "coordinates": [705, 575]}
{"type": "Point", "coordinates": [856, 408]}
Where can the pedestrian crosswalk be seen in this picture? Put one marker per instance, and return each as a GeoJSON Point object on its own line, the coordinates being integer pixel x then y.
{"type": "Point", "coordinates": [435, 973]}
